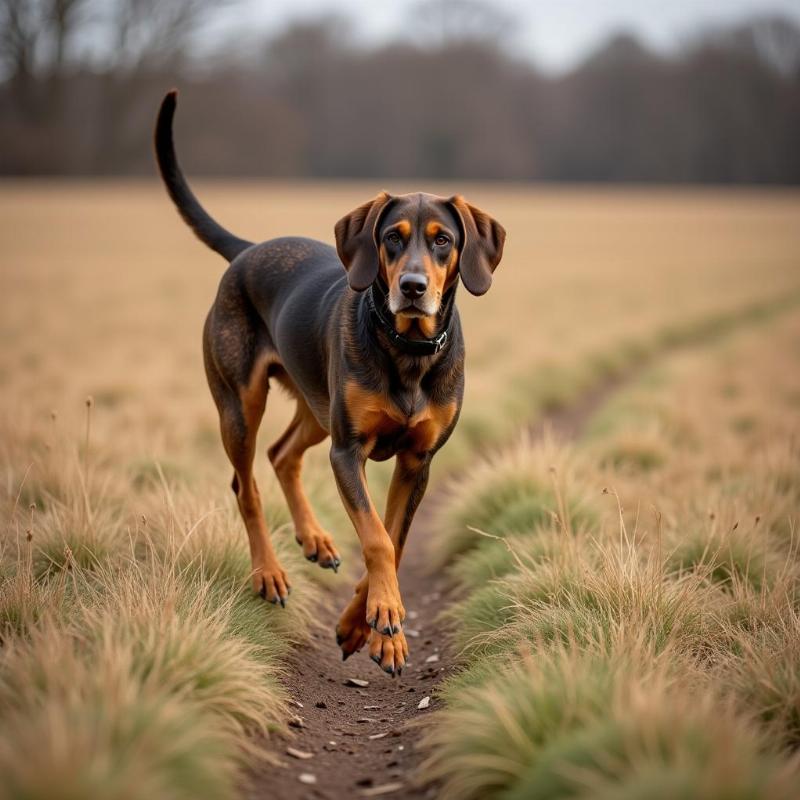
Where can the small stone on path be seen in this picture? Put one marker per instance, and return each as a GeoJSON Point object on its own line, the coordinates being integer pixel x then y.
{"type": "Point", "coordinates": [294, 753]}
{"type": "Point", "coordinates": [356, 682]}
{"type": "Point", "coordinates": [424, 703]}
{"type": "Point", "coordinates": [307, 777]}
{"type": "Point", "coordinates": [378, 791]}
{"type": "Point", "coordinates": [432, 659]}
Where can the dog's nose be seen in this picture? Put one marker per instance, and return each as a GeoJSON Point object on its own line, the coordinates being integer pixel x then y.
{"type": "Point", "coordinates": [413, 285]}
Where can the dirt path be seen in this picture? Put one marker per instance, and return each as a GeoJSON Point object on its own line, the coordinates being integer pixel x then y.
{"type": "Point", "coordinates": [359, 738]}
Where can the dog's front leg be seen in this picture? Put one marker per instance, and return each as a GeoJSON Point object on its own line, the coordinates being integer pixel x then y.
{"type": "Point", "coordinates": [384, 608]}
{"type": "Point", "coordinates": [407, 488]}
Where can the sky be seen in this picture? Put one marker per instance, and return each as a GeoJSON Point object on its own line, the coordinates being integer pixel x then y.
{"type": "Point", "coordinates": [555, 34]}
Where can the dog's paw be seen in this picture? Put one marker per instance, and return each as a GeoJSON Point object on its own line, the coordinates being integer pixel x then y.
{"type": "Point", "coordinates": [385, 611]}
{"type": "Point", "coordinates": [390, 653]}
{"type": "Point", "coordinates": [319, 548]}
{"type": "Point", "coordinates": [352, 631]}
{"type": "Point", "coordinates": [271, 583]}
{"type": "Point", "coordinates": [352, 635]}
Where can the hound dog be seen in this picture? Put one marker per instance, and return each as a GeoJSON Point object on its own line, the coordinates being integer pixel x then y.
{"type": "Point", "coordinates": [367, 339]}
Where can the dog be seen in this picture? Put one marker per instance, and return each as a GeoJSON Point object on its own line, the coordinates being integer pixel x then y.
{"type": "Point", "coordinates": [366, 337]}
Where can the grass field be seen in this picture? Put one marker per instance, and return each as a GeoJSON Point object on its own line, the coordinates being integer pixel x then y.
{"type": "Point", "coordinates": [643, 584]}
{"type": "Point", "coordinates": [665, 607]}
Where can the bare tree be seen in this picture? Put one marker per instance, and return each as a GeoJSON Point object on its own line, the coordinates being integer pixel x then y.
{"type": "Point", "coordinates": [152, 35]}
{"type": "Point", "coordinates": [34, 35]}
{"type": "Point", "coordinates": [447, 22]}
{"type": "Point", "coordinates": [450, 101]}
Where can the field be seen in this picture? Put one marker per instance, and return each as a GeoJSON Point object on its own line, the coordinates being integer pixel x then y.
{"type": "Point", "coordinates": [626, 613]}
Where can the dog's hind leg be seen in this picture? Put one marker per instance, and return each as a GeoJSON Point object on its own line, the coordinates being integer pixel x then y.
{"type": "Point", "coordinates": [286, 456]}
{"type": "Point", "coordinates": [240, 412]}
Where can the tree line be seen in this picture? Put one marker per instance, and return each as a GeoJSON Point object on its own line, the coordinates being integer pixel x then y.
{"type": "Point", "coordinates": [311, 101]}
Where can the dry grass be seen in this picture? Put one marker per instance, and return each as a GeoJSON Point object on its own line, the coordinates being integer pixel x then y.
{"type": "Point", "coordinates": [578, 724]}
{"type": "Point", "coordinates": [682, 568]}
{"type": "Point", "coordinates": [122, 558]}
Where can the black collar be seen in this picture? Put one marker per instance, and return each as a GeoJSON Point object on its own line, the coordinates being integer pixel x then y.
{"type": "Point", "coordinates": [376, 298]}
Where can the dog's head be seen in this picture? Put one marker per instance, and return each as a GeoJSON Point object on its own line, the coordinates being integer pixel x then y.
{"type": "Point", "coordinates": [419, 244]}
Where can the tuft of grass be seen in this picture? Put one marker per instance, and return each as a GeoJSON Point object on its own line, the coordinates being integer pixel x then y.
{"type": "Point", "coordinates": [636, 452]}
{"type": "Point", "coordinates": [730, 556]}
{"type": "Point", "coordinates": [25, 602]}
{"type": "Point", "coordinates": [590, 593]}
{"type": "Point", "coordinates": [764, 674]}
{"type": "Point", "coordinates": [524, 488]}
{"type": "Point", "coordinates": [566, 723]}
{"type": "Point", "coordinates": [97, 727]}
{"type": "Point", "coordinates": [495, 557]}
{"type": "Point", "coordinates": [149, 676]}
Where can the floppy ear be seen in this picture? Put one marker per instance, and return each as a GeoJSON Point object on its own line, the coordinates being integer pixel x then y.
{"type": "Point", "coordinates": [355, 241]}
{"type": "Point", "coordinates": [482, 240]}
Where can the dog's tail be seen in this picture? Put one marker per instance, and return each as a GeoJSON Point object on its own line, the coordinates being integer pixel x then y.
{"type": "Point", "coordinates": [204, 227]}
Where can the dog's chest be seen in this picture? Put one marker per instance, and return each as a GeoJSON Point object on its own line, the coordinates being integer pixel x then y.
{"type": "Point", "coordinates": [397, 428]}
{"type": "Point", "coordinates": [388, 424]}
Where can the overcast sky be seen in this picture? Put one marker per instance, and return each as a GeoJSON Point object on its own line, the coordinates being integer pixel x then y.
{"type": "Point", "coordinates": [554, 33]}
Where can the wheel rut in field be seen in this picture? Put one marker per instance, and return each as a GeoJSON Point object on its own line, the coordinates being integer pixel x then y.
{"type": "Point", "coordinates": [362, 741]}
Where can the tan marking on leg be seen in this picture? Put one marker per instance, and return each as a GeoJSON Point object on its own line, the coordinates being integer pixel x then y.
{"type": "Point", "coordinates": [268, 576]}
{"type": "Point", "coordinates": [351, 631]}
{"type": "Point", "coordinates": [286, 456]}
{"type": "Point", "coordinates": [384, 608]}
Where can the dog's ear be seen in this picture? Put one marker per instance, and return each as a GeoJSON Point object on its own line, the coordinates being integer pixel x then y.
{"type": "Point", "coordinates": [482, 240]}
{"type": "Point", "coordinates": [356, 241]}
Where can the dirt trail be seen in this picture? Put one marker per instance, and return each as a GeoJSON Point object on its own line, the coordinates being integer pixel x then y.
{"type": "Point", "coordinates": [359, 738]}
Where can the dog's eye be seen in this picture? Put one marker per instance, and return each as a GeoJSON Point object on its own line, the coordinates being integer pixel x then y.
{"type": "Point", "coordinates": [441, 240]}
{"type": "Point", "coordinates": [393, 237]}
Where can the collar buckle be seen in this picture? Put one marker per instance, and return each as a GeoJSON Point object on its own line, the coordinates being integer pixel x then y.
{"type": "Point", "coordinates": [440, 341]}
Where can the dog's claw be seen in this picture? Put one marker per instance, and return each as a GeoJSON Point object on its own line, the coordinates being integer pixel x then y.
{"type": "Point", "coordinates": [388, 631]}
{"type": "Point", "coordinates": [283, 602]}
{"type": "Point", "coordinates": [312, 558]}
{"type": "Point", "coordinates": [345, 656]}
